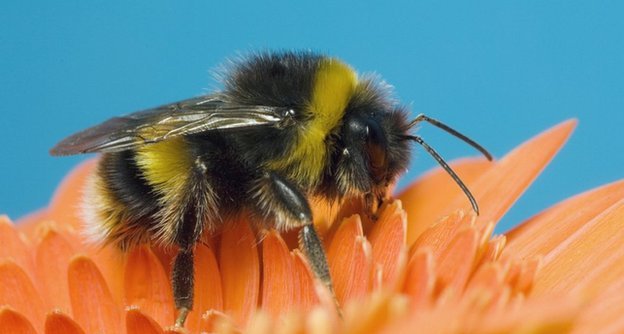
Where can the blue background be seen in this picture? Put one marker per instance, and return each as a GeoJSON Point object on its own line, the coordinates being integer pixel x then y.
{"type": "Point", "coordinates": [499, 72]}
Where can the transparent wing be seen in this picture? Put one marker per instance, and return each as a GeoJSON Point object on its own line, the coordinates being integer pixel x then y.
{"type": "Point", "coordinates": [190, 116]}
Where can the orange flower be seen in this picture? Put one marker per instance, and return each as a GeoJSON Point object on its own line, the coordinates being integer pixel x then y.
{"type": "Point", "coordinates": [428, 265]}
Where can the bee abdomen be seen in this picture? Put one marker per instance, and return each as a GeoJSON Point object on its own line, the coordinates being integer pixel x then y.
{"type": "Point", "coordinates": [119, 205]}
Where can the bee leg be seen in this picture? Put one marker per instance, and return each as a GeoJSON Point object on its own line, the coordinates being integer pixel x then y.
{"type": "Point", "coordinates": [189, 231]}
{"type": "Point", "coordinates": [286, 200]}
{"type": "Point", "coordinates": [182, 281]}
{"type": "Point", "coordinates": [312, 247]}
{"type": "Point", "coordinates": [372, 204]}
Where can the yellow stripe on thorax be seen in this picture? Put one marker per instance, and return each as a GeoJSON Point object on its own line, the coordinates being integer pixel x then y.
{"type": "Point", "coordinates": [333, 86]}
{"type": "Point", "coordinates": [165, 166]}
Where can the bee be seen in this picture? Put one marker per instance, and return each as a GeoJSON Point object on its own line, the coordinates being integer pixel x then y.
{"type": "Point", "coordinates": [286, 126]}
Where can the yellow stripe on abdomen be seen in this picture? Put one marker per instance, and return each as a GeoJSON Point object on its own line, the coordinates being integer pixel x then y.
{"type": "Point", "coordinates": [166, 166]}
{"type": "Point", "coordinates": [334, 85]}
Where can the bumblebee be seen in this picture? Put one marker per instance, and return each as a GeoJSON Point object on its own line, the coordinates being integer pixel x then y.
{"type": "Point", "coordinates": [286, 126]}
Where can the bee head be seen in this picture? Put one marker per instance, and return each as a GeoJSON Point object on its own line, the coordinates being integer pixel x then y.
{"type": "Point", "coordinates": [372, 150]}
{"type": "Point", "coordinates": [374, 144]}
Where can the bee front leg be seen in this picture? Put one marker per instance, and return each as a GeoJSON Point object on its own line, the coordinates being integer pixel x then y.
{"type": "Point", "coordinates": [312, 247]}
{"type": "Point", "coordinates": [280, 198]}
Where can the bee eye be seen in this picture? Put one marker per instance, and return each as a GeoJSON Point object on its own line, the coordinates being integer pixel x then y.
{"type": "Point", "coordinates": [376, 147]}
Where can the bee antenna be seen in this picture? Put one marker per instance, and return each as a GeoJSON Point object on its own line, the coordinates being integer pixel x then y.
{"type": "Point", "coordinates": [448, 129]}
{"type": "Point", "coordinates": [447, 168]}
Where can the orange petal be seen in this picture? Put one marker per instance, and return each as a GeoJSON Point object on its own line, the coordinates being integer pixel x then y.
{"type": "Point", "coordinates": [547, 230]}
{"type": "Point", "coordinates": [489, 276]}
{"type": "Point", "coordinates": [208, 291]}
{"type": "Point", "coordinates": [487, 285]}
{"type": "Point", "coordinates": [526, 277]}
{"type": "Point", "coordinates": [305, 292]}
{"type": "Point", "coordinates": [15, 246]}
{"type": "Point", "coordinates": [18, 292]}
{"type": "Point", "coordinates": [28, 223]}
{"type": "Point", "coordinates": [138, 322]}
{"type": "Point", "coordinates": [493, 249]}
{"type": "Point", "coordinates": [277, 275]}
{"type": "Point", "coordinates": [551, 315]}
{"type": "Point", "coordinates": [240, 271]}
{"type": "Point", "coordinates": [261, 323]}
{"type": "Point", "coordinates": [590, 259]}
{"type": "Point", "coordinates": [387, 239]}
{"type": "Point", "coordinates": [456, 262]}
{"type": "Point", "coordinates": [420, 279]}
{"type": "Point", "coordinates": [438, 236]}
{"type": "Point", "coordinates": [60, 323]}
{"type": "Point", "coordinates": [52, 258]}
{"type": "Point", "coordinates": [373, 314]}
{"type": "Point", "coordinates": [110, 262]}
{"type": "Point", "coordinates": [147, 286]}
{"type": "Point", "coordinates": [65, 205]}
{"type": "Point", "coordinates": [12, 322]}
{"type": "Point", "coordinates": [427, 198]}
{"type": "Point", "coordinates": [92, 304]}
{"type": "Point", "coordinates": [604, 312]}
{"type": "Point", "coordinates": [349, 257]}
{"type": "Point", "coordinates": [498, 188]}
{"type": "Point", "coordinates": [216, 322]}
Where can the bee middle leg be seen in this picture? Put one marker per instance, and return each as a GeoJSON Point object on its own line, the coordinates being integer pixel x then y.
{"type": "Point", "coordinates": [291, 209]}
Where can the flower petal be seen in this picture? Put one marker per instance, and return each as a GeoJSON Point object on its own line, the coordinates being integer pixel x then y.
{"type": "Point", "coordinates": [350, 260]}
{"type": "Point", "coordinates": [52, 258]}
{"type": "Point", "coordinates": [427, 198]}
{"type": "Point", "coordinates": [208, 291]}
{"type": "Point", "coordinates": [305, 293]}
{"type": "Point", "coordinates": [604, 312]}
{"type": "Point", "coordinates": [590, 259]}
{"type": "Point", "coordinates": [216, 322]}
{"type": "Point", "coordinates": [493, 249]}
{"type": "Point", "coordinates": [18, 292]}
{"type": "Point", "coordinates": [456, 262]}
{"type": "Point", "coordinates": [65, 205]}
{"type": "Point", "coordinates": [277, 275]}
{"type": "Point", "coordinates": [542, 233]}
{"type": "Point", "coordinates": [15, 246]}
{"type": "Point", "coordinates": [528, 273]}
{"type": "Point", "coordinates": [487, 285]}
{"type": "Point", "coordinates": [387, 239]}
{"type": "Point", "coordinates": [438, 236]}
{"type": "Point", "coordinates": [29, 223]}
{"type": "Point", "coordinates": [260, 323]}
{"type": "Point", "coordinates": [138, 322]}
{"type": "Point", "coordinates": [60, 323]}
{"type": "Point", "coordinates": [374, 314]}
{"type": "Point", "coordinates": [110, 262]}
{"type": "Point", "coordinates": [552, 315]}
{"type": "Point", "coordinates": [12, 322]}
{"type": "Point", "coordinates": [147, 286]}
{"type": "Point", "coordinates": [420, 279]}
{"type": "Point", "coordinates": [92, 304]}
{"type": "Point", "coordinates": [498, 188]}
{"type": "Point", "coordinates": [240, 271]}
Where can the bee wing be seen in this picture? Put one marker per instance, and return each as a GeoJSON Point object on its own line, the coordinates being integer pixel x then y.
{"type": "Point", "coordinates": [190, 116]}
